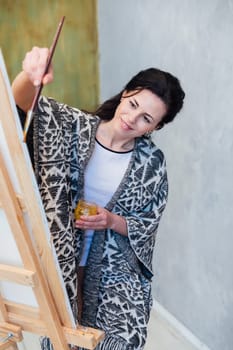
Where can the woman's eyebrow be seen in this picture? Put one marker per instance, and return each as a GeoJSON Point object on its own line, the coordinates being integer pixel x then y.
{"type": "Point", "coordinates": [150, 116]}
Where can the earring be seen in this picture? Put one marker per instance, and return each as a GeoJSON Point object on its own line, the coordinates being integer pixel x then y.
{"type": "Point", "coordinates": [148, 133]}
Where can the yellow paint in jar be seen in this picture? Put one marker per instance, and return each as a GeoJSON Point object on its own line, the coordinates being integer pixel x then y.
{"type": "Point", "coordinates": [84, 208]}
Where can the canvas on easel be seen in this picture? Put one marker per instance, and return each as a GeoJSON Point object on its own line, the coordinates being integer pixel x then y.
{"type": "Point", "coordinates": [32, 293]}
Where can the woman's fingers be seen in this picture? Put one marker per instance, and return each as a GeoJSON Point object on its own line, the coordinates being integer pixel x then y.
{"type": "Point", "coordinates": [34, 65]}
{"type": "Point", "coordinates": [96, 222]}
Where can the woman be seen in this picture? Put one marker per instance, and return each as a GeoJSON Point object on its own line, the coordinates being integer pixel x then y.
{"type": "Point", "coordinates": [107, 157]}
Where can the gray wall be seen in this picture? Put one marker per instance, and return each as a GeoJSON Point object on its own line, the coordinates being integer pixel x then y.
{"type": "Point", "coordinates": [193, 40]}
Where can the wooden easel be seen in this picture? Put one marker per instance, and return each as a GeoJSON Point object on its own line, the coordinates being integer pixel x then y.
{"type": "Point", "coordinates": [21, 204]}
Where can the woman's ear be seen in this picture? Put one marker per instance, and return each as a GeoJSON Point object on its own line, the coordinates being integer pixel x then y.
{"type": "Point", "coordinates": [159, 126]}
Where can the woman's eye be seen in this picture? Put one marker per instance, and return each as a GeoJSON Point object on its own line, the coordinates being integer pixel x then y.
{"type": "Point", "coordinates": [147, 119]}
{"type": "Point", "coordinates": [132, 104]}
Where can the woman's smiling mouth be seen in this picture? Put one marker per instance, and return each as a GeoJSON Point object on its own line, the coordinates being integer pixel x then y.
{"type": "Point", "coordinates": [125, 126]}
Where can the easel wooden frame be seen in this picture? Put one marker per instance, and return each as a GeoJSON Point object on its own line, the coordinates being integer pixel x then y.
{"type": "Point", "coordinates": [39, 271]}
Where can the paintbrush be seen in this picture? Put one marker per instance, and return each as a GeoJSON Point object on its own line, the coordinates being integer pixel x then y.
{"type": "Point", "coordinates": [31, 111]}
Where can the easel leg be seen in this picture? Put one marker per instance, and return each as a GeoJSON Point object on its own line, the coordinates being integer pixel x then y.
{"type": "Point", "coordinates": [81, 272]}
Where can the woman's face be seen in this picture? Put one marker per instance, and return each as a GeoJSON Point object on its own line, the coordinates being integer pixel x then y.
{"type": "Point", "coordinates": [138, 112]}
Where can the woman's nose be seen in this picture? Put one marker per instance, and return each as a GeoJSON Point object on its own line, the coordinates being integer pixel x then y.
{"type": "Point", "coordinates": [132, 117]}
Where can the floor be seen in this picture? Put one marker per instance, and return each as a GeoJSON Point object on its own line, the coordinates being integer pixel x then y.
{"type": "Point", "coordinates": [161, 336]}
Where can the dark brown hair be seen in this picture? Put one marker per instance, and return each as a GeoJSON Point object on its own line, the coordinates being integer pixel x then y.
{"type": "Point", "coordinates": [162, 84]}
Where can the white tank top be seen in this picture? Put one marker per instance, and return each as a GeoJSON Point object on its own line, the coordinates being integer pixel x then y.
{"type": "Point", "coordinates": [103, 175]}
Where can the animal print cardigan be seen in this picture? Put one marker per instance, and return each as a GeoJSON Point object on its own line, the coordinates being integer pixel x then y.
{"type": "Point", "coordinates": [117, 289]}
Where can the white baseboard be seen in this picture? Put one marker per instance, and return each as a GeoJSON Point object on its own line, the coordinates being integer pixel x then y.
{"type": "Point", "coordinates": [177, 327]}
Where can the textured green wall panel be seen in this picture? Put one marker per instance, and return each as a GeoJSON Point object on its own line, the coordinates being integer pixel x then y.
{"type": "Point", "coordinates": [28, 23]}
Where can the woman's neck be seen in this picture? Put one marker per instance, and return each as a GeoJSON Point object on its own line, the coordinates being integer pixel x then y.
{"type": "Point", "coordinates": [106, 136]}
